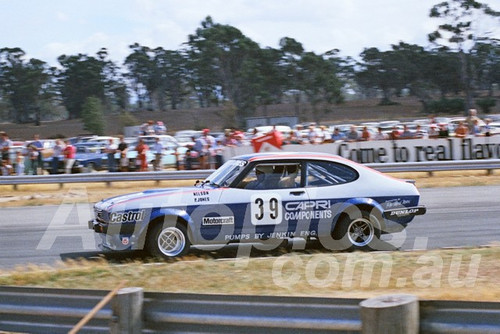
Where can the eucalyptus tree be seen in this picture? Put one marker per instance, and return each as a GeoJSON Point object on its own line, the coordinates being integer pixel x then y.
{"type": "Point", "coordinates": [24, 83]}
{"type": "Point", "coordinates": [381, 70]}
{"type": "Point", "coordinates": [464, 23]}
{"type": "Point", "coordinates": [223, 65]}
{"type": "Point", "coordinates": [84, 76]}
{"type": "Point", "coordinates": [142, 74]}
{"type": "Point", "coordinates": [486, 63]}
{"type": "Point", "coordinates": [292, 53]}
{"type": "Point", "coordinates": [171, 73]}
{"type": "Point", "coordinates": [320, 82]}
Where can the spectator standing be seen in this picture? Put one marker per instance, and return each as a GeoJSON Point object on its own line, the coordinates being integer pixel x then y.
{"type": "Point", "coordinates": [353, 134]}
{"type": "Point", "coordinates": [5, 145]}
{"type": "Point", "coordinates": [160, 128]}
{"type": "Point", "coordinates": [218, 153]}
{"type": "Point", "coordinates": [394, 135]}
{"type": "Point", "coordinates": [148, 128]}
{"type": "Point", "coordinates": [19, 163]}
{"type": "Point", "coordinates": [33, 159]}
{"type": "Point", "coordinates": [365, 134]}
{"type": "Point", "coordinates": [56, 156]}
{"type": "Point", "coordinates": [122, 150]}
{"type": "Point", "coordinates": [443, 131]}
{"type": "Point", "coordinates": [433, 131]}
{"type": "Point", "coordinates": [37, 143]}
{"type": "Point", "coordinates": [407, 133]}
{"type": "Point", "coordinates": [312, 135]}
{"type": "Point", "coordinates": [142, 161]}
{"type": "Point", "coordinates": [111, 149]}
{"type": "Point", "coordinates": [297, 134]}
{"type": "Point", "coordinates": [379, 135]}
{"type": "Point", "coordinates": [419, 133]}
{"type": "Point", "coordinates": [6, 168]}
{"type": "Point", "coordinates": [158, 151]}
{"type": "Point", "coordinates": [476, 129]}
{"type": "Point", "coordinates": [471, 119]}
{"type": "Point", "coordinates": [461, 131]}
{"type": "Point", "coordinates": [337, 135]}
{"type": "Point", "coordinates": [486, 130]}
{"type": "Point", "coordinates": [69, 153]}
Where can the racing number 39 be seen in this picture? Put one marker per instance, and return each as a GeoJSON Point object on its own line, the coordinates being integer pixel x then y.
{"type": "Point", "coordinates": [266, 209]}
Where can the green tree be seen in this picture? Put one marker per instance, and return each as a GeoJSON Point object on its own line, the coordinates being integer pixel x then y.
{"type": "Point", "coordinates": [320, 82]}
{"type": "Point", "coordinates": [292, 52]}
{"type": "Point", "coordinates": [223, 65]}
{"type": "Point", "coordinates": [485, 60]}
{"type": "Point", "coordinates": [170, 68]}
{"type": "Point", "coordinates": [142, 74]}
{"type": "Point", "coordinates": [83, 76]}
{"type": "Point", "coordinates": [93, 116]}
{"type": "Point", "coordinates": [461, 30]}
{"type": "Point", "coordinates": [382, 70]}
{"type": "Point", "coordinates": [25, 84]}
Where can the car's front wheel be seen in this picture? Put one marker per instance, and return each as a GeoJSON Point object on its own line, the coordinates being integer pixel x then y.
{"type": "Point", "coordinates": [168, 241]}
{"type": "Point", "coordinates": [361, 232]}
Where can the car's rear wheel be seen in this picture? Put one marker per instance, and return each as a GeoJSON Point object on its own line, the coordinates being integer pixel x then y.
{"type": "Point", "coordinates": [361, 232]}
{"type": "Point", "coordinates": [168, 241]}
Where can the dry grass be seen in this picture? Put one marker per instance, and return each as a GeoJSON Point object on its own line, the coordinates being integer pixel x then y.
{"type": "Point", "coordinates": [459, 274]}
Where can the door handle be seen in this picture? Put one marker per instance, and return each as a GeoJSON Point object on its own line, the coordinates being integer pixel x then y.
{"type": "Point", "coordinates": [297, 193]}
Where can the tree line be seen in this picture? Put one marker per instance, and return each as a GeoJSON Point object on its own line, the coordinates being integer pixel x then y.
{"type": "Point", "coordinates": [220, 66]}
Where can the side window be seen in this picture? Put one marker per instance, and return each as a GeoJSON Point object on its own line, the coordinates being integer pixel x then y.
{"type": "Point", "coordinates": [321, 173]}
{"type": "Point", "coordinates": [272, 176]}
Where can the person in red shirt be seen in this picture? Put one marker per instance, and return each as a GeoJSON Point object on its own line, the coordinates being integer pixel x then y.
{"type": "Point", "coordinates": [69, 153]}
{"type": "Point", "coordinates": [141, 149]}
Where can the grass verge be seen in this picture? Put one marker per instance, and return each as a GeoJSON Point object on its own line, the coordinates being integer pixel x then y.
{"type": "Point", "coordinates": [447, 274]}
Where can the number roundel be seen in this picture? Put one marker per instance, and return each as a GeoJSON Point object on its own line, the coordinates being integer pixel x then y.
{"type": "Point", "coordinates": [266, 209]}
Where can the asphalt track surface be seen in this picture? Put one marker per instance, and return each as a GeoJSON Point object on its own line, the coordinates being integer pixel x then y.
{"type": "Point", "coordinates": [456, 217]}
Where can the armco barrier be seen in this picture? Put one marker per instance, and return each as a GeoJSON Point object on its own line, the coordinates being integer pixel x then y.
{"type": "Point", "coordinates": [488, 165]}
{"type": "Point", "coordinates": [39, 310]}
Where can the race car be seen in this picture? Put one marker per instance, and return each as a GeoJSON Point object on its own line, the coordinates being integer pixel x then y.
{"type": "Point", "coordinates": [263, 198]}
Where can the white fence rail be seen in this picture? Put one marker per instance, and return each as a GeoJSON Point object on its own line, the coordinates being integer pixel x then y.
{"type": "Point", "coordinates": [488, 165]}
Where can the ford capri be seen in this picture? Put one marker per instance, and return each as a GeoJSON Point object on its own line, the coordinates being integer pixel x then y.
{"type": "Point", "coordinates": [264, 199]}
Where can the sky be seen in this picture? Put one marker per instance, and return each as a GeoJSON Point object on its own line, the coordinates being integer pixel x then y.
{"type": "Point", "coordinates": [47, 29]}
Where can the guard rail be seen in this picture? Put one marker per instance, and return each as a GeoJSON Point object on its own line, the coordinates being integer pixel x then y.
{"type": "Point", "coordinates": [41, 310]}
{"type": "Point", "coordinates": [107, 177]}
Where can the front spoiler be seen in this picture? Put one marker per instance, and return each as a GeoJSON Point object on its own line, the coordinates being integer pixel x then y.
{"type": "Point", "coordinates": [405, 212]}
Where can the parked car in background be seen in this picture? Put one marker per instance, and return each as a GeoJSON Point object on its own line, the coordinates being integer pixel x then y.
{"type": "Point", "coordinates": [89, 157]}
{"type": "Point", "coordinates": [172, 151]}
{"type": "Point", "coordinates": [185, 137]}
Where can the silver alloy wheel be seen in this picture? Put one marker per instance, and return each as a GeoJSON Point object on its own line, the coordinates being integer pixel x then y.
{"type": "Point", "coordinates": [360, 232]}
{"type": "Point", "coordinates": [171, 241]}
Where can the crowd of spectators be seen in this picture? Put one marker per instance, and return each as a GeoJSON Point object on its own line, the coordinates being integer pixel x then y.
{"type": "Point", "coordinates": [206, 150]}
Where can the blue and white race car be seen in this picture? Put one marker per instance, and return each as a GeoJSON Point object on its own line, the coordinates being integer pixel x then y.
{"type": "Point", "coordinates": [263, 199]}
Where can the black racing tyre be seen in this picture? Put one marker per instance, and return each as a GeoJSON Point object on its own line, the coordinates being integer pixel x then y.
{"type": "Point", "coordinates": [168, 241]}
{"type": "Point", "coordinates": [361, 232]}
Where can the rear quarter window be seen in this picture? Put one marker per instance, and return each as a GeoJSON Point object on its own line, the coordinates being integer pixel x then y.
{"type": "Point", "coordinates": [326, 173]}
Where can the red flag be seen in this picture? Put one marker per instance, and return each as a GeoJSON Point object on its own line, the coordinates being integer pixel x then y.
{"type": "Point", "coordinates": [274, 138]}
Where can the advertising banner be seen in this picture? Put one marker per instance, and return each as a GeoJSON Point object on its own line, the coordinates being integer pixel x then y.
{"type": "Point", "coordinates": [389, 151]}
